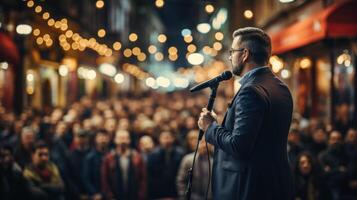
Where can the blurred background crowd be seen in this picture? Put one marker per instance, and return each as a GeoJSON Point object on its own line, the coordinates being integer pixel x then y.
{"type": "Point", "coordinates": [140, 147]}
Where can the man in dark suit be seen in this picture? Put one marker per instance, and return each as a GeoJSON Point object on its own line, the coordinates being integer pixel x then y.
{"type": "Point", "coordinates": [250, 158]}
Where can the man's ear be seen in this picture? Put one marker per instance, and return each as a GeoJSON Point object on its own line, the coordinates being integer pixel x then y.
{"type": "Point", "coordinates": [246, 55]}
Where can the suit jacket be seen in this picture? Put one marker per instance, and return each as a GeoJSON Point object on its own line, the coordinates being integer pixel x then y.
{"type": "Point", "coordinates": [112, 182]}
{"type": "Point", "coordinates": [250, 158]}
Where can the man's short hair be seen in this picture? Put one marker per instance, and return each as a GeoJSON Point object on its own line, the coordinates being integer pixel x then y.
{"type": "Point", "coordinates": [39, 145]}
{"type": "Point", "coordinates": [257, 42]}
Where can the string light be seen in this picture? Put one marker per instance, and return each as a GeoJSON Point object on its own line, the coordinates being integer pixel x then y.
{"type": "Point", "coordinates": [117, 46]}
{"type": "Point", "coordinates": [159, 3]}
{"type": "Point", "coordinates": [162, 38]}
{"type": "Point", "coordinates": [101, 33]}
{"type": "Point", "coordinates": [219, 36]}
{"type": "Point", "coordinates": [99, 4]}
{"type": "Point", "coordinates": [248, 14]}
{"type": "Point", "coordinates": [209, 8]}
{"type": "Point", "coordinates": [133, 37]}
{"type": "Point", "coordinates": [152, 49]}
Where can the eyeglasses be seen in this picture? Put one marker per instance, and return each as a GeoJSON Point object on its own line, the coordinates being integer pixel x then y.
{"type": "Point", "coordinates": [233, 50]}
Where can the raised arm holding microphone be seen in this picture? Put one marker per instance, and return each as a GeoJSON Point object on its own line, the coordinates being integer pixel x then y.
{"type": "Point", "coordinates": [250, 159]}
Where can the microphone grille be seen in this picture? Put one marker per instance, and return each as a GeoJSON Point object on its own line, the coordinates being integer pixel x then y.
{"type": "Point", "coordinates": [226, 75]}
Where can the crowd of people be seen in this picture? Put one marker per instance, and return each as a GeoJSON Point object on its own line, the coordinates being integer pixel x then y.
{"type": "Point", "coordinates": [141, 146]}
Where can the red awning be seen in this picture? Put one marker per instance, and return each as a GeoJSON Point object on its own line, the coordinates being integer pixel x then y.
{"type": "Point", "coordinates": [337, 20]}
{"type": "Point", "coordinates": [8, 49]}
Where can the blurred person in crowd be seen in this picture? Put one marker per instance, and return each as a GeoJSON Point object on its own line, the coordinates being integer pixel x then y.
{"type": "Point", "coordinates": [146, 146]}
{"type": "Point", "coordinates": [351, 151]}
{"type": "Point", "coordinates": [13, 185]}
{"type": "Point", "coordinates": [43, 175]}
{"type": "Point", "coordinates": [318, 143]}
{"type": "Point", "coordinates": [80, 149]}
{"type": "Point", "coordinates": [191, 141]}
{"type": "Point", "coordinates": [308, 182]}
{"type": "Point", "coordinates": [163, 164]}
{"type": "Point", "coordinates": [334, 163]}
{"type": "Point", "coordinates": [294, 146]}
{"type": "Point", "coordinates": [200, 172]}
{"type": "Point", "coordinates": [123, 171]}
{"type": "Point", "coordinates": [22, 151]}
{"type": "Point", "coordinates": [110, 127]}
{"type": "Point", "coordinates": [92, 166]}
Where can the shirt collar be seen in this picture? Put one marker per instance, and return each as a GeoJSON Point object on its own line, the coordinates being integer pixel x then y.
{"type": "Point", "coordinates": [249, 74]}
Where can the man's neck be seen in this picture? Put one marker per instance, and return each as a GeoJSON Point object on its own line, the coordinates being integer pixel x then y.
{"type": "Point", "coordinates": [249, 67]}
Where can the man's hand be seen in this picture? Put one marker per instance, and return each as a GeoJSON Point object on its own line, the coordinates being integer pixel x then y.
{"type": "Point", "coordinates": [206, 119]}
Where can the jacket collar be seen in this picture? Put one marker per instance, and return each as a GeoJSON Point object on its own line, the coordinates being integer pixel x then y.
{"type": "Point", "coordinates": [246, 77]}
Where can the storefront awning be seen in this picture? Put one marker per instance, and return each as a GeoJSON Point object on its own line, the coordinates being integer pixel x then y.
{"type": "Point", "coordinates": [338, 20]}
{"type": "Point", "coordinates": [8, 49]}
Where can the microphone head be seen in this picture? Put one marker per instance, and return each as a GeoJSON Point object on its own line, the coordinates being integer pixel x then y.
{"type": "Point", "coordinates": [226, 75]}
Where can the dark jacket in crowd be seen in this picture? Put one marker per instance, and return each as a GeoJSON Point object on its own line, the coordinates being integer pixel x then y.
{"type": "Point", "coordinates": [22, 156]}
{"type": "Point", "coordinates": [13, 185]}
{"type": "Point", "coordinates": [76, 159]}
{"type": "Point", "coordinates": [250, 159]}
{"type": "Point", "coordinates": [45, 184]}
{"type": "Point", "coordinates": [162, 171]}
{"type": "Point", "coordinates": [92, 172]}
{"type": "Point", "coordinates": [112, 177]}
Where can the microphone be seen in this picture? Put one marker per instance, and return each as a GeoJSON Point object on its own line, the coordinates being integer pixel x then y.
{"type": "Point", "coordinates": [222, 77]}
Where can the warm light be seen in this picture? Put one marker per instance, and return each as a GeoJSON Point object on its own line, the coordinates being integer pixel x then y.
{"type": "Point", "coordinates": [276, 63]}
{"type": "Point", "coordinates": [62, 38]}
{"type": "Point", "coordinates": [46, 37]}
{"type": "Point", "coordinates": [286, 1]}
{"type": "Point", "coordinates": [159, 56]}
{"type": "Point", "coordinates": [64, 21]}
{"type": "Point", "coordinates": [75, 36]}
{"type": "Point", "coordinates": [63, 70]}
{"type": "Point", "coordinates": [66, 47]}
{"type": "Point", "coordinates": [127, 53]}
{"type": "Point", "coordinates": [195, 58]}
{"type": "Point", "coordinates": [204, 28]}
{"type": "Point", "coordinates": [191, 48]}
{"type": "Point", "coordinates": [214, 52]}
{"type": "Point", "coordinates": [207, 50]}
{"type": "Point", "coordinates": [69, 33]}
{"type": "Point", "coordinates": [38, 9]}
{"type": "Point", "coordinates": [152, 49]}
{"type": "Point", "coordinates": [30, 77]}
{"type": "Point", "coordinates": [163, 82]}
{"type": "Point", "coordinates": [58, 24]}
{"type": "Point", "coordinates": [91, 74]}
{"type": "Point", "coordinates": [151, 82]}
{"type": "Point", "coordinates": [217, 46]}
{"type": "Point", "coordinates": [99, 4]}
{"type": "Point", "coordinates": [172, 50]}
{"type": "Point", "coordinates": [64, 27]}
{"type": "Point", "coordinates": [159, 3]}
{"type": "Point", "coordinates": [305, 63]}
{"type": "Point", "coordinates": [219, 36]}
{"type": "Point", "coordinates": [248, 14]}
{"type": "Point", "coordinates": [39, 40]}
{"type": "Point", "coordinates": [75, 45]}
{"type": "Point", "coordinates": [51, 22]}
{"type": "Point", "coordinates": [188, 38]}
{"type": "Point", "coordinates": [101, 33]}
{"type": "Point", "coordinates": [181, 82]}
{"type": "Point", "coordinates": [107, 69]}
{"type": "Point", "coordinates": [285, 73]}
{"type": "Point", "coordinates": [30, 4]}
{"type": "Point", "coordinates": [142, 57]}
{"type": "Point", "coordinates": [162, 38]}
{"type": "Point", "coordinates": [133, 37]}
{"type": "Point", "coordinates": [117, 46]}
{"type": "Point", "coordinates": [46, 15]}
{"type": "Point", "coordinates": [119, 78]}
{"type": "Point", "coordinates": [185, 32]}
{"type": "Point", "coordinates": [49, 43]}
{"type": "Point", "coordinates": [209, 8]}
{"type": "Point", "coordinates": [23, 29]}
{"type": "Point", "coordinates": [136, 51]}
{"type": "Point", "coordinates": [36, 32]}
{"type": "Point", "coordinates": [173, 57]}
